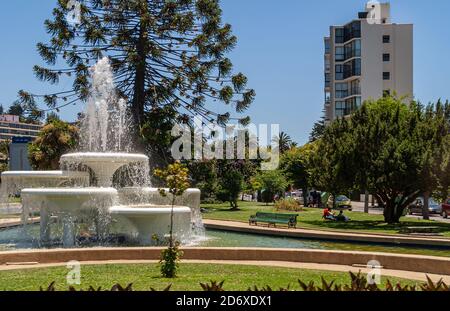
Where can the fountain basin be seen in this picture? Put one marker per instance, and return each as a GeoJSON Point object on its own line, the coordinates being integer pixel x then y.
{"type": "Point", "coordinates": [14, 181]}
{"type": "Point", "coordinates": [68, 204]}
{"type": "Point", "coordinates": [104, 165]}
{"type": "Point", "coordinates": [154, 220]}
{"type": "Point", "coordinates": [146, 195]}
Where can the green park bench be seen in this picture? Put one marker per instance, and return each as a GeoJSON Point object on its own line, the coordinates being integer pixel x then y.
{"type": "Point", "coordinates": [290, 220]}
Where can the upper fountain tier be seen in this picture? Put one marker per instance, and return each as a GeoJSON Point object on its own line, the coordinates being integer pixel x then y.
{"type": "Point", "coordinates": [104, 165]}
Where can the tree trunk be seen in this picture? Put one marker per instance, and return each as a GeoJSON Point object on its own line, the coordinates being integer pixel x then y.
{"type": "Point", "coordinates": [366, 202]}
{"type": "Point", "coordinates": [140, 68]}
{"type": "Point", "coordinates": [426, 201]}
{"type": "Point", "coordinates": [393, 211]}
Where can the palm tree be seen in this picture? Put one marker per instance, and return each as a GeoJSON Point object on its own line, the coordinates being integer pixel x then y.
{"type": "Point", "coordinates": [283, 141]}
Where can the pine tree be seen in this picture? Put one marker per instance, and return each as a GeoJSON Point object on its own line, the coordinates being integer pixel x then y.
{"type": "Point", "coordinates": [168, 57]}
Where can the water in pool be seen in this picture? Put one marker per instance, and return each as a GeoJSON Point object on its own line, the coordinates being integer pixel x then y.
{"type": "Point", "coordinates": [18, 238]}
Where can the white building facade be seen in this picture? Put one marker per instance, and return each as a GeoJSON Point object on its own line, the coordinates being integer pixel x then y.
{"type": "Point", "coordinates": [365, 59]}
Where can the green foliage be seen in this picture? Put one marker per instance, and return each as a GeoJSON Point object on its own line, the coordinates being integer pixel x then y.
{"type": "Point", "coordinates": [169, 60]}
{"type": "Point", "coordinates": [287, 204]}
{"type": "Point", "coordinates": [295, 165]}
{"type": "Point", "coordinates": [283, 141]}
{"type": "Point", "coordinates": [318, 130]}
{"type": "Point", "coordinates": [176, 178]}
{"type": "Point", "coordinates": [55, 139]}
{"type": "Point", "coordinates": [231, 185]}
{"type": "Point", "coordinates": [271, 183]}
{"type": "Point", "coordinates": [391, 149]}
{"type": "Point", "coordinates": [170, 258]}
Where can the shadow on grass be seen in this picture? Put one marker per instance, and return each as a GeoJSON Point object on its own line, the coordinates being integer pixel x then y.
{"type": "Point", "coordinates": [372, 225]}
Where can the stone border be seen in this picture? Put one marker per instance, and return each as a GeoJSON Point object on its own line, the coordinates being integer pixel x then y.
{"type": "Point", "coordinates": [413, 263]}
{"type": "Point", "coordinates": [322, 235]}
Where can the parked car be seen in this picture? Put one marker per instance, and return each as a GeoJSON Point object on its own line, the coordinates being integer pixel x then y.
{"type": "Point", "coordinates": [296, 195]}
{"type": "Point", "coordinates": [342, 202]}
{"type": "Point", "coordinates": [445, 212]}
{"type": "Point", "coordinates": [417, 207]}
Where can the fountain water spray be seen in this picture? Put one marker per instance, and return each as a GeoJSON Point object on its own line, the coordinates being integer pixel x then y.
{"type": "Point", "coordinates": [131, 209]}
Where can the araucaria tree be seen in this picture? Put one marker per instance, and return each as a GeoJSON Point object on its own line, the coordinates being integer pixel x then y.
{"type": "Point", "coordinates": [391, 149]}
{"type": "Point", "coordinates": [168, 57]}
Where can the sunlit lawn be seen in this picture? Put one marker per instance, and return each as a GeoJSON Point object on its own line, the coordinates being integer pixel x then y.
{"type": "Point", "coordinates": [146, 276]}
{"type": "Point", "coordinates": [311, 218]}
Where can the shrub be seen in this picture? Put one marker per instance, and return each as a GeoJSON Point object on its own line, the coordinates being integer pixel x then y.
{"type": "Point", "coordinates": [288, 204]}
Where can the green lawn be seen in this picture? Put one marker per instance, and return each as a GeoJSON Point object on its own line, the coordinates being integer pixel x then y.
{"type": "Point", "coordinates": [311, 218]}
{"type": "Point", "coordinates": [145, 276]}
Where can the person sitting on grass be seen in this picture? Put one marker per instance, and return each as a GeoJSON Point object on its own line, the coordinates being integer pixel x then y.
{"type": "Point", "coordinates": [328, 215]}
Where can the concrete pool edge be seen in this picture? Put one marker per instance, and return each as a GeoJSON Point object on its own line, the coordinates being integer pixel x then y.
{"type": "Point", "coordinates": [412, 263]}
{"type": "Point", "coordinates": [337, 236]}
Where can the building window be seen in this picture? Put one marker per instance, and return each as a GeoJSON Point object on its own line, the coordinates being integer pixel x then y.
{"type": "Point", "coordinates": [353, 49]}
{"type": "Point", "coordinates": [386, 39]}
{"type": "Point", "coordinates": [327, 79]}
{"type": "Point", "coordinates": [386, 75]}
{"type": "Point", "coordinates": [340, 109]}
{"type": "Point", "coordinates": [386, 57]}
{"type": "Point", "coordinates": [341, 90]}
{"type": "Point", "coordinates": [352, 68]}
{"type": "Point", "coordinates": [327, 64]}
{"type": "Point", "coordinates": [340, 54]}
{"type": "Point", "coordinates": [327, 46]}
{"type": "Point", "coordinates": [355, 87]}
{"type": "Point", "coordinates": [352, 30]}
{"type": "Point", "coordinates": [339, 72]}
{"type": "Point", "coordinates": [339, 35]}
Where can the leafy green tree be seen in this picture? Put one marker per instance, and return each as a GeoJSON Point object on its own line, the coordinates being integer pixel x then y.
{"type": "Point", "coordinates": [387, 147]}
{"type": "Point", "coordinates": [271, 183]}
{"type": "Point", "coordinates": [295, 165]}
{"type": "Point", "coordinates": [317, 130]}
{"type": "Point", "coordinates": [330, 165]}
{"type": "Point", "coordinates": [55, 139]}
{"type": "Point", "coordinates": [204, 176]}
{"type": "Point", "coordinates": [2, 110]}
{"type": "Point", "coordinates": [169, 57]}
{"type": "Point", "coordinates": [176, 178]}
{"type": "Point", "coordinates": [231, 185]}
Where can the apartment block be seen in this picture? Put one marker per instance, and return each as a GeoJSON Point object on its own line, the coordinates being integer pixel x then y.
{"type": "Point", "coordinates": [365, 59]}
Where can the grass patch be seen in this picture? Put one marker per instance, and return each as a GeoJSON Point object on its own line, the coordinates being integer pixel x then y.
{"type": "Point", "coordinates": [311, 218]}
{"type": "Point", "coordinates": [145, 276]}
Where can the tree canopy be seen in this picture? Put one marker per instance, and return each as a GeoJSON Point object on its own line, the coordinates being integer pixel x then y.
{"type": "Point", "coordinates": [391, 149]}
{"type": "Point", "coordinates": [168, 57]}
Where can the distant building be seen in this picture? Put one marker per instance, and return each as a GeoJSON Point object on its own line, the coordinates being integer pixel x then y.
{"type": "Point", "coordinates": [365, 59]}
{"type": "Point", "coordinates": [10, 126]}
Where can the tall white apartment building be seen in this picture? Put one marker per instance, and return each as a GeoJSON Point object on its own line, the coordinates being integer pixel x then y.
{"type": "Point", "coordinates": [366, 58]}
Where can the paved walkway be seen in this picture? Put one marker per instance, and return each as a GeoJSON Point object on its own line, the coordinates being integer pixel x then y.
{"type": "Point", "coordinates": [328, 235]}
{"type": "Point", "coordinates": [296, 265]}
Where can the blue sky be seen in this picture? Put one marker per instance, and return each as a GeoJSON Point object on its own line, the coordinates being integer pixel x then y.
{"type": "Point", "coordinates": [280, 49]}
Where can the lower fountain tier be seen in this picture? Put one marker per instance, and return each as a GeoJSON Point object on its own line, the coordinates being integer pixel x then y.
{"type": "Point", "coordinates": [104, 165]}
{"type": "Point", "coordinates": [67, 204]}
{"type": "Point", "coordinates": [154, 220]}
{"type": "Point", "coordinates": [14, 181]}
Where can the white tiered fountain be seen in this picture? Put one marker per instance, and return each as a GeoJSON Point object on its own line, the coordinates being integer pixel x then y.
{"type": "Point", "coordinates": [98, 210]}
